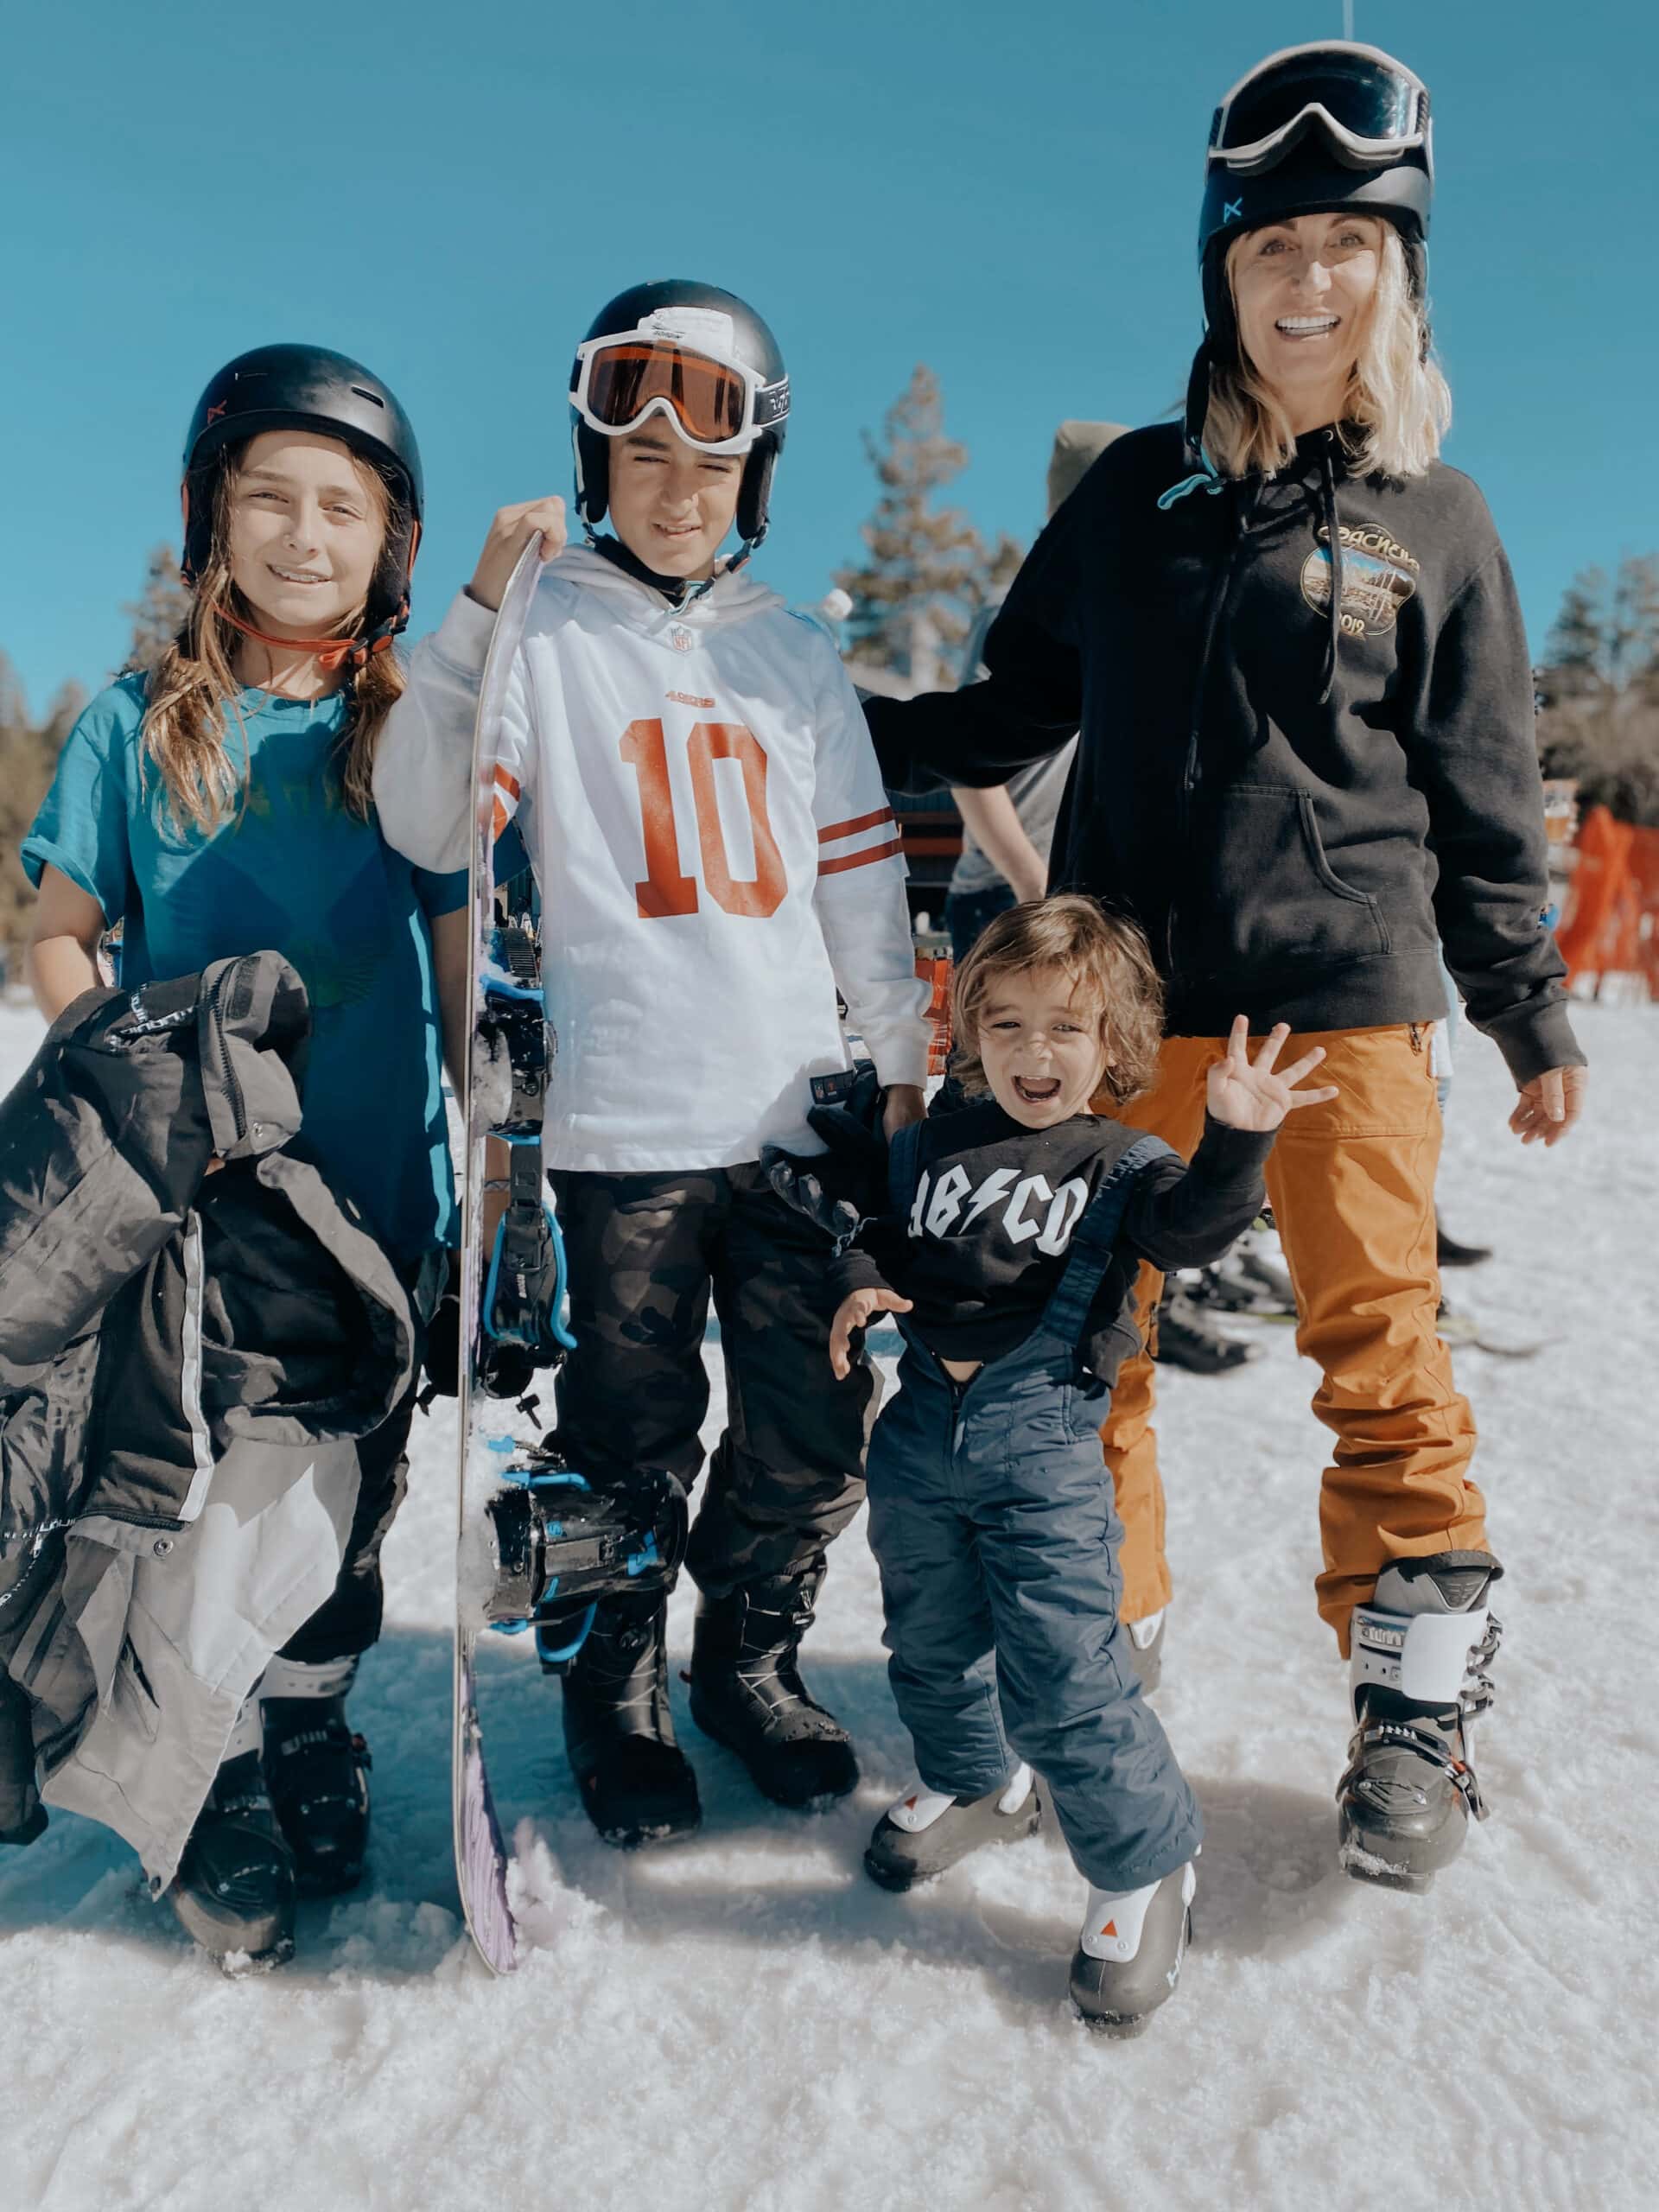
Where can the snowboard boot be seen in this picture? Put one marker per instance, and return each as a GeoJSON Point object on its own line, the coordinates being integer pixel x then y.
{"type": "Point", "coordinates": [1146, 1647]}
{"type": "Point", "coordinates": [1419, 1650]}
{"type": "Point", "coordinates": [927, 1832]}
{"type": "Point", "coordinates": [317, 1771]}
{"type": "Point", "coordinates": [747, 1693]}
{"type": "Point", "coordinates": [636, 1784]}
{"type": "Point", "coordinates": [1129, 1952]}
{"type": "Point", "coordinates": [234, 1891]}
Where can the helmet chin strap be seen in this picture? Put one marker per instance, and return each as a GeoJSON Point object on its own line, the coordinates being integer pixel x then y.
{"type": "Point", "coordinates": [328, 652]}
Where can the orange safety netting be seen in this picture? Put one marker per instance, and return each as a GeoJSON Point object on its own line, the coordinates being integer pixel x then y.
{"type": "Point", "coordinates": [1612, 924]}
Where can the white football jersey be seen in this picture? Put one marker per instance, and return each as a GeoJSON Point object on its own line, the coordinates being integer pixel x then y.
{"type": "Point", "coordinates": [715, 852]}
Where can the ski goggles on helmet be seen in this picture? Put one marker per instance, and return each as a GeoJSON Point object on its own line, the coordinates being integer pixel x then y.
{"type": "Point", "coordinates": [1369, 109]}
{"type": "Point", "coordinates": [668, 366]}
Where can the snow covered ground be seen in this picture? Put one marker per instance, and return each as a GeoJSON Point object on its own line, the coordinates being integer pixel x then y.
{"type": "Point", "coordinates": [746, 2022]}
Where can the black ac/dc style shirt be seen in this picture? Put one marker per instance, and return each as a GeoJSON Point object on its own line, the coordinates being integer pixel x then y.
{"type": "Point", "coordinates": [986, 1243]}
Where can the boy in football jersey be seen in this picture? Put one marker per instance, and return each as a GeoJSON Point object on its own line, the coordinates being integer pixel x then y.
{"type": "Point", "coordinates": [716, 857]}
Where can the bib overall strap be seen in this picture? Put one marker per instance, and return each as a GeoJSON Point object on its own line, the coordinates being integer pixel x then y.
{"type": "Point", "coordinates": [905, 1168]}
{"type": "Point", "coordinates": [1093, 1238]}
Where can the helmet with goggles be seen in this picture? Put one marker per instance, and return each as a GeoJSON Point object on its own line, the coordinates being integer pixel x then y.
{"type": "Point", "coordinates": [700, 357]}
{"type": "Point", "coordinates": [1331, 125]}
{"type": "Point", "coordinates": [1310, 129]}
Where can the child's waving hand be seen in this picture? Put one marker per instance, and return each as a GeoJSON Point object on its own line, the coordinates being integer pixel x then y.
{"type": "Point", "coordinates": [1248, 1094]}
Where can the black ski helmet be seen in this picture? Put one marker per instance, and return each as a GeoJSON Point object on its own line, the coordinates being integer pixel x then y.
{"type": "Point", "coordinates": [309, 388]}
{"type": "Point", "coordinates": [1327, 125]}
{"type": "Point", "coordinates": [748, 344]}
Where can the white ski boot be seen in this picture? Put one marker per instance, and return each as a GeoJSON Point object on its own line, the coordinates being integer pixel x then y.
{"type": "Point", "coordinates": [1129, 1952]}
{"type": "Point", "coordinates": [928, 1831]}
{"type": "Point", "coordinates": [1418, 1651]}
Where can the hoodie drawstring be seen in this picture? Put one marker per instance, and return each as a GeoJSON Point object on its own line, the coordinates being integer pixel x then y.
{"type": "Point", "coordinates": [1333, 533]}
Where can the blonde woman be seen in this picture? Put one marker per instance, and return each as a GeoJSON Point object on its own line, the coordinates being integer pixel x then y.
{"type": "Point", "coordinates": [221, 806]}
{"type": "Point", "coordinates": [1291, 638]}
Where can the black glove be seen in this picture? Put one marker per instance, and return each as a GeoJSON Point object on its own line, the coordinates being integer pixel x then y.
{"type": "Point", "coordinates": [852, 1129]}
{"type": "Point", "coordinates": [799, 1183]}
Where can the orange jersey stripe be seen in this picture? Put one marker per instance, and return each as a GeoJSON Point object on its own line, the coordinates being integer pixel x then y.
{"type": "Point", "coordinates": [861, 860]}
{"type": "Point", "coordinates": [859, 822]}
{"type": "Point", "coordinates": [508, 782]}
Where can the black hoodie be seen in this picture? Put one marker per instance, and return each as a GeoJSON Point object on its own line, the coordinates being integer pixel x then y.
{"type": "Point", "coordinates": [1296, 802]}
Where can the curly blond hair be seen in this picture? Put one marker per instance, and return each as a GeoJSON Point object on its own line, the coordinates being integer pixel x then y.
{"type": "Point", "coordinates": [1104, 957]}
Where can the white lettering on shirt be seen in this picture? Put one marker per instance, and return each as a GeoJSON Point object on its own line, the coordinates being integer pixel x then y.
{"type": "Point", "coordinates": [948, 1195]}
{"type": "Point", "coordinates": [1028, 1186]}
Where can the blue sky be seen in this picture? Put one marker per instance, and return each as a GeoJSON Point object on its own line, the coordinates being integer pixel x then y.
{"type": "Point", "coordinates": [1006, 192]}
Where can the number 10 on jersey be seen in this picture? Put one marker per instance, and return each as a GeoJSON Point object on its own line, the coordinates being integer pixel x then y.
{"type": "Point", "coordinates": [665, 890]}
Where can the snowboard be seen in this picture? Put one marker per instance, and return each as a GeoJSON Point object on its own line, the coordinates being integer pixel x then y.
{"type": "Point", "coordinates": [504, 997]}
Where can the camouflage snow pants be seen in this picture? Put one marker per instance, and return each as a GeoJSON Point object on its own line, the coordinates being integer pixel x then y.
{"type": "Point", "coordinates": [645, 1253]}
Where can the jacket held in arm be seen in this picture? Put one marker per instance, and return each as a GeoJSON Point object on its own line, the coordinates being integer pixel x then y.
{"type": "Point", "coordinates": [1295, 800]}
{"type": "Point", "coordinates": [186, 1358]}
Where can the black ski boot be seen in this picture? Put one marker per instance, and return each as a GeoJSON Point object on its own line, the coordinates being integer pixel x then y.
{"type": "Point", "coordinates": [747, 1693]}
{"type": "Point", "coordinates": [636, 1784]}
{"type": "Point", "coordinates": [234, 1891]}
{"type": "Point", "coordinates": [1130, 1951]}
{"type": "Point", "coordinates": [928, 1832]}
{"type": "Point", "coordinates": [317, 1771]}
{"type": "Point", "coordinates": [1418, 1651]}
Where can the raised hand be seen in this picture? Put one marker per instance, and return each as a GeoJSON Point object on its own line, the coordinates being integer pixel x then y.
{"type": "Point", "coordinates": [854, 1311]}
{"type": "Point", "coordinates": [1257, 1094]}
{"type": "Point", "coordinates": [510, 531]}
{"type": "Point", "coordinates": [1549, 1104]}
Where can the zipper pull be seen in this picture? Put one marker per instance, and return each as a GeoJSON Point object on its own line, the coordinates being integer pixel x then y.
{"type": "Point", "coordinates": [1416, 1037]}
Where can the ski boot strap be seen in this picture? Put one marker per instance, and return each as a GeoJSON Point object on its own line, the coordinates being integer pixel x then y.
{"type": "Point", "coordinates": [1425, 1743]}
{"type": "Point", "coordinates": [1433, 1659]}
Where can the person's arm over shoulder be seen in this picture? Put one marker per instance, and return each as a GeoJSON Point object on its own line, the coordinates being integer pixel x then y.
{"type": "Point", "coordinates": [860, 894]}
{"type": "Point", "coordinates": [1474, 754]}
{"type": "Point", "coordinates": [1186, 1215]}
{"type": "Point", "coordinates": [1028, 704]}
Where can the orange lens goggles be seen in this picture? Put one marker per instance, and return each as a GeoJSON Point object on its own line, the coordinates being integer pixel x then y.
{"type": "Point", "coordinates": [622, 381]}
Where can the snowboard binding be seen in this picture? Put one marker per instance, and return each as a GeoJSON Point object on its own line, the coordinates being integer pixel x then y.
{"type": "Point", "coordinates": [558, 1548]}
{"type": "Point", "coordinates": [521, 1330]}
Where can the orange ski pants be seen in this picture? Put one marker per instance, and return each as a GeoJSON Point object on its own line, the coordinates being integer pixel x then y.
{"type": "Point", "coordinates": [1351, 1185]}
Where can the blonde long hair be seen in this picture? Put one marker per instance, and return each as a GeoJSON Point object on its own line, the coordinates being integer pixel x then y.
{"type": "Point", "coordinates": [194, 694]}
{"type": "Point", "coordinates": [1397, 407]}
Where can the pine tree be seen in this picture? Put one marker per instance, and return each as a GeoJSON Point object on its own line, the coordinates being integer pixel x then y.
{"type": "Point", "coordinates": [158, 611]}
{"type": "Point", "coordinates": [1599, 690]}
{"type": "Point", "coordinates": [29, 754]}
{"type": "Point", "coordinates": [928, 571]}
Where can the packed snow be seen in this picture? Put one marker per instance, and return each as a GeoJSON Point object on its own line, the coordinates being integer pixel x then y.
{"type": "Point", "coordinates": [744, 2021]}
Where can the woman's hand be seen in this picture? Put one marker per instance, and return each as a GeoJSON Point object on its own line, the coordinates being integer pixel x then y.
{"type": "Point", "coordinates": [902, 1104]}
{"type": "Point", "coordinates": [1549, 1104]}
{"type": "Point", "coordinates": [1247, 1093]}
{"type": "Point", "coordinates": [852, 1312]}
{"type": "Point", "coordinates": [510, 533]}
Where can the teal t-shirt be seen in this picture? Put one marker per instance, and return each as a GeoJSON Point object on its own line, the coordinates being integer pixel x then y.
{"type": "Point", "coordinates": [293, 871]}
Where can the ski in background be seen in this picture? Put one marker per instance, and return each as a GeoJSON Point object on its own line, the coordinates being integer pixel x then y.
{"type": "Point", "coordinates": [536, 1549]}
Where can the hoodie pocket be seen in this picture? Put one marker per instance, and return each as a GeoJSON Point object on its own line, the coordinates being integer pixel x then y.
{"type": "Point", "coordinates": [1264, 894]}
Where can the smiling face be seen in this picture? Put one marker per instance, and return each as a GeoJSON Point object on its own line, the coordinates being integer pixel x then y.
{"type": "Point", "coordinates": [1038, 1040]}
{"type": "Point", "coordinates": [1302, 291]}
{"type": "Point", "coordinates": [671, 503]}
{"type": "Point", "coordinates": [307, 524]}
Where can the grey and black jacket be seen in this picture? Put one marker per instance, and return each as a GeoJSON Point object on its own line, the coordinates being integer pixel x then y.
{"type": "Point", "coordinates": [187, 1353]}
{"type": "Point", "coordinates": [1307, 756]}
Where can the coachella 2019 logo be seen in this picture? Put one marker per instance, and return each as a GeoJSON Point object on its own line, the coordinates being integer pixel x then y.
{"type": "Point", "coordinates": [1378, 577]}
